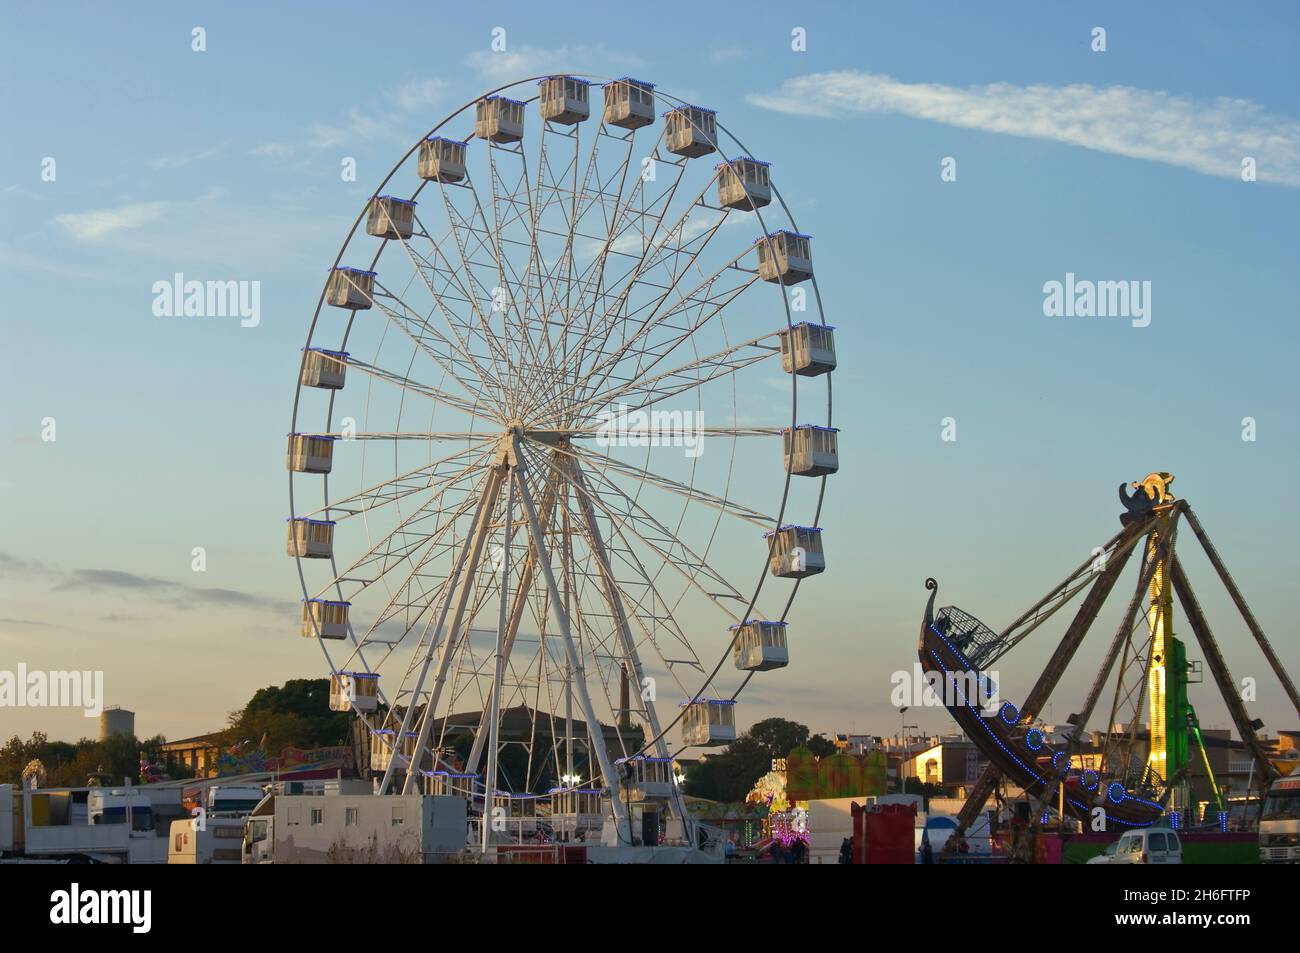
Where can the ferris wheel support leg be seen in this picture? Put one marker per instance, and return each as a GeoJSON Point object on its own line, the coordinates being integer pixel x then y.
{"type": "Point", "coordinates": [490, 777]}
{"type": "Point", "coordinates": [615, 600]}
{"type": "Point", "coordinates": [428, 658]}
{"type": "Point", "coordinates": [562, 622]}
{"type": "Point", "coordinates": [512, 628]}
{"type": "Point", "coordinates": [452, 634]}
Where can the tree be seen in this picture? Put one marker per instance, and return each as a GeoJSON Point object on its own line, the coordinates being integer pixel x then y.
{"type": "Point", "coordinates": [778, 736]}
{"type": "Point", "coordinates": [917, 786]}
{"type": "Point", "coordinates": [821, 746]}
{"type": "Point", "coordinates": [295, 715]}
{"type": "Point", "coordinates": [731, 774]}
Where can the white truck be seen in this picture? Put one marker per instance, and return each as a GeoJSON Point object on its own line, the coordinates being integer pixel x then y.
{"type": "Point", "coordinates": [1279, 823]}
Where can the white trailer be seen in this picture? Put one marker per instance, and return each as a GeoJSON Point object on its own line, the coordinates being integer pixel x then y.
{"type": "Point", "coordinates": [359, 828]}
{"type": "Point", "coordinates": [95, 824]}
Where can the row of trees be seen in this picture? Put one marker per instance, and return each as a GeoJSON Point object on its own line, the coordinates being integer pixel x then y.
{"type": "Point", "coordinates": [73, 763]}
{"type": "Point", "coordinates": [295, 715]}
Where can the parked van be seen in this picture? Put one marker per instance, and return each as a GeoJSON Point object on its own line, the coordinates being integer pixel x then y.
{"type": "Point", "coordinates": [1152, 845]}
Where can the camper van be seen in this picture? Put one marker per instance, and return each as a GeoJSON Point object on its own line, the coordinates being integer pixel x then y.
{"type": "Point", "coordinates": [217, 840]}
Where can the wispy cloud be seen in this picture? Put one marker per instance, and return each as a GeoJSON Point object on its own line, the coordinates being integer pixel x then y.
{"type": "Point", "coordinates": [1207, 136]}
{"type": "Point", "coordinates": [179, 160]}
{"type": "Point", "coordinates": [174, 593]}
{"type": "Point", "coordinates": [522, 61]}
{"type": "Point", "coordinates": [272, 150]}
{"type": "Point", "coordinates": [357, 126]}
{"type": "Point", "coordinates": [416, 94]}
{"type": "Point", "coordinates": [728, 54]}
{"type": "Point", "coordinates": [158, 590]}
{"type": "Point", "coordinates": [88, 226]}
{"type": "Point", "coordinates": [233, 233]}
{"type": "Point", "coordinates": [365, 125]}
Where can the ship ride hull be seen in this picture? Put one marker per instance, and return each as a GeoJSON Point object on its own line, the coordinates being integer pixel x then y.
{"type": "Point", "coordinates": [1019, 750]}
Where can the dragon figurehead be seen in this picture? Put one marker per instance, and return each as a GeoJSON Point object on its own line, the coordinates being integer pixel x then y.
{"type": "Point", "coordinates": [1148, 493]}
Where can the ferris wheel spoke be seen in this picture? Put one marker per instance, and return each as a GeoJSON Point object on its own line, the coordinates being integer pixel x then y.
{"type": "Point", "coordinates": [473, 409]}
{"type": "Point", "coordinates": [675, 253]}
{"type": "Point", "coordinates": [668, 547]}
{"type": "Point", "coordinates": [402, 485]}
{"type": "Point", "coordinates": [559, 276]}
{"type": "Point", "coordinates": [450, 274]}
{"type": "Point", "coordinates": [509, 210]}
{"type": "Point", "coordinates": [649, 610]}
{"type": "Point", "coordinates": [730, 507]}
{"type": "Point", "coordinates": [456, 353]}
{"type": "Point", "coordinates": [524, 349]}
{"type": "Point", "coordinates": [701, 297]}
{"type": "Point", "coordinates": [594, 273]}
{"type": "Point", "coordinates": [387, 557]}
{"type": "Point", "coordinates": [641, 393]}
{"type": "Point", "coordinates": [641, 260]}
{"type": "Point", "coordinates": [549, 294]}
{"type": "Point", "coordinates": [501, 361]}
{"type": "Point", "coordinates": [534, 298]}
{"type": "Point", "coordinates": [615, 225]}
{"type": "Point", "coordinates": [586, 200]}
{"type": "Point", "coordinates": [473, 436]}
{"type": "Point", "coordinates": [696, 315]}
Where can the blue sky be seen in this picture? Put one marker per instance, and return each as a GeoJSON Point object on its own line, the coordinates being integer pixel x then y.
{"type": "Point", "coordinates": [1115, 165]}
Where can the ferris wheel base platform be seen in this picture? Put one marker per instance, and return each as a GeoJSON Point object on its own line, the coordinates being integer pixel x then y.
{"type": "Point", "coordinates": [650, 855]}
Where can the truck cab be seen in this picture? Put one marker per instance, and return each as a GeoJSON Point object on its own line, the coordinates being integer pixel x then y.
{"type": "Point", "coordinates": [233, 799]}
{"type": "Point", "coordinates": [1279, 823]}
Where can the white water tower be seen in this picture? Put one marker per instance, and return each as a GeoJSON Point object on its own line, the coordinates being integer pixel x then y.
{"type": "Point", "coordinates": [116, 720]}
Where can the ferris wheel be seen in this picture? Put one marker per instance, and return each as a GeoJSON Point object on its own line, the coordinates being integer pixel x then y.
{"type": "Point", "coordinates": [559, 444]}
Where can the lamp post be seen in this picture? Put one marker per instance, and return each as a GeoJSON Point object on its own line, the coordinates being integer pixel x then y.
{"type": "Point", "coordinates": [906, 757]}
